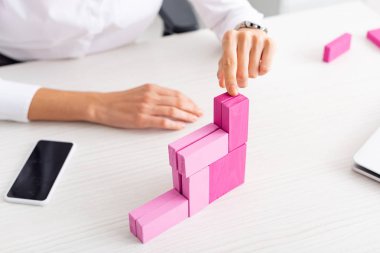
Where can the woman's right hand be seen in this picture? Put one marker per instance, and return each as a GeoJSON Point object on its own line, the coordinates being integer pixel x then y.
{"type": "Point", "coordinates": [146, 106]}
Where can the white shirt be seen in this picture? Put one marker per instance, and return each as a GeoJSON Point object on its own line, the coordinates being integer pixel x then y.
{"type": "Point", "coordinates": [56, 29]}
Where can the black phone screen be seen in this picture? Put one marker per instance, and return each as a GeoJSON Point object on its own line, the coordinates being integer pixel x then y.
{"type": "Point", "coordinates": [39, 173]}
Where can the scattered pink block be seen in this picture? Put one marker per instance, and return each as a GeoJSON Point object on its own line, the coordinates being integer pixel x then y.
{"type": "Point", "coordinates": [139, 212]}
{"type": "Point", "coordinates": [227, 173]}
{"type": "Point", "coordinates": [218, 101]}
{"type": "Point", "coordinates": [196, 190]}
{"type": "Point", "coordinates": [185, 141]}
{"type": "Point", "coordinates": [337, 47]}
{"type": "Point", "coordinates": [235, 114]}
{"type": "Point", "coordinates": [200, 154]}
{"type": "Point", "coordinates": [162, 218]}
{"type": "Point", "coordinates": [374, 36]}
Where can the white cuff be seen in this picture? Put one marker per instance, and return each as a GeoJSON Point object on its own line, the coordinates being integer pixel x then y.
{"type": "Point", "coordinates": [235, 18]}
{"type": "Point", "coordinates": [15, 99]}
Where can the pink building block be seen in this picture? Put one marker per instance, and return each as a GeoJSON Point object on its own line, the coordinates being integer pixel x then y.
{"type": "Point", "coordinates": [139, 212]}
{"type": "Point", "coordinates": [218, 101]}
{"type": "Point", "coordinates": [196, 190]}
{"type": "Point", "coordinates": [337, 47]}
{"type": "Point", "coordinates": [177, 180]}
{"type": "Point", "coordinates": [200, 154]}
{"type": "Point", "coordinates": [162, 218]}
{"type": "Point", "coordinates": [185, 141]}
{"type": "Point", "coordinates": [374, 36]}
{"type": "Point", "coordinates": [235, 114]}
{"type": "Point", "coordinates": [227, 173]}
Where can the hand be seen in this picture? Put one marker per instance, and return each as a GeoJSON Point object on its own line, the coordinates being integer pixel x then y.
{"type": "Point", "coordinates": [146, 106]}
{"type": "Point", "coordinates": [247, 53]}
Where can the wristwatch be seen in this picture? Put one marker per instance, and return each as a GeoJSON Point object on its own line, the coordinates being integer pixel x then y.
{"type": "Point", "coordinates": [249, 24]}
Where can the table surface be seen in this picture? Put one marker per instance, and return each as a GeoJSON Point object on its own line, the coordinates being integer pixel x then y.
{"type": "Point", "coordinates": [307, 120]}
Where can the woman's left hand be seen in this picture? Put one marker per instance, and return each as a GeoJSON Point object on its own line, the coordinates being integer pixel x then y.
{"type": "Point", "coordinates": [247, 53]}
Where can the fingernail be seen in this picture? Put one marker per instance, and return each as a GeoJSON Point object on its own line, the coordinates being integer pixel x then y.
{"type": "Point", "coordinates": [234, 91]}
{"type": "Point", "coordinates": [181, 124]}
{"type": "Point", "coordinates": [243, 83]}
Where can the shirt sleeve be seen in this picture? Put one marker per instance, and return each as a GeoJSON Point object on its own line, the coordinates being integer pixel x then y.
{"type": "Point", "coordinates": [15, 99]}
{"type": "Point", "coordinates": [224, 15]}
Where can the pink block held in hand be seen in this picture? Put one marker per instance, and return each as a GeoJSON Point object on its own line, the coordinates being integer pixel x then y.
{"type": "Point", "coordinates": [218, 101]}
{"type": "Point", "coordinates": [337, 47]}
{"type": "Point", "coordinates": [235, 120]}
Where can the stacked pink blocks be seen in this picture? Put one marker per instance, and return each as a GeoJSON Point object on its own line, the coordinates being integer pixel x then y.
{"type": "Point", "coordinates": [206, 164]}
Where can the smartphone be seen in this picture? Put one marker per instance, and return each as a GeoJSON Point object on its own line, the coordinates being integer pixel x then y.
{"type": "Point", "coordinates": [38, 177]}
{"type": "Point", "coordinates": [367, 159]}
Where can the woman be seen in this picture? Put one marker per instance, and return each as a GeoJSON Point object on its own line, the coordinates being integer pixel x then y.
{"type": "Point", "coordinates": [54, 29]}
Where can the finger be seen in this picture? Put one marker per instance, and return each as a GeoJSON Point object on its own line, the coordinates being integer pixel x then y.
{"type": "Point", "coordinates": [181, 103]}
{"type": "Point", "coordinates": [220, 75]}
{"type": "Point", "coordinates": [174, 113]}
{"type": "Point", "coordinates": [230, 62]}
{"type": "Point", "coordinates": [267, 56]}
{"type": "Point", "coordinates": [184, 100]}
{"type": "Point", "coordinates": [171, 94]}
{"type": "Point", "coordinates": [161, 90]}
{"type": "Point", "coordinates": [157, 89]}
{"type": "Point", "coordinates": [154, 90]}
{"type": "Point", "coordinates": [143, 118]}
{"type": "Point", "coordinates": [148, 121]}
{"type": "Point", "coordinates": [243, 52]}
{"type": "Point", "coordinates": [255, 55]}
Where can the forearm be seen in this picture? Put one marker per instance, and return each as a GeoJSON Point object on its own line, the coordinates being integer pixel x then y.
{"type": "Point", "coordinates": [57, 105]}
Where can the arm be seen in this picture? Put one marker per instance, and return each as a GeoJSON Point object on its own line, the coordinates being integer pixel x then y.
{"type": "Point", "coordinates": [146, 106]}
{"type": "Point", "coordinates": [247, 53]}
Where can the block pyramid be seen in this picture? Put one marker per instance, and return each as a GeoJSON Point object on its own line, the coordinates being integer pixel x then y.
{"type": "Point", "coordinates": [206, 164]}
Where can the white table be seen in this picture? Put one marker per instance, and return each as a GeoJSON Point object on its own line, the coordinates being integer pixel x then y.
{"type": "Point", "coordinates": [307, 120]}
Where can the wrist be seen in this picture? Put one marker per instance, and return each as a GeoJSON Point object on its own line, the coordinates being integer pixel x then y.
{"type": "Point", "coordinates": [94, 107]}
{"type": "Point", "coordinates": [251, 25]}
